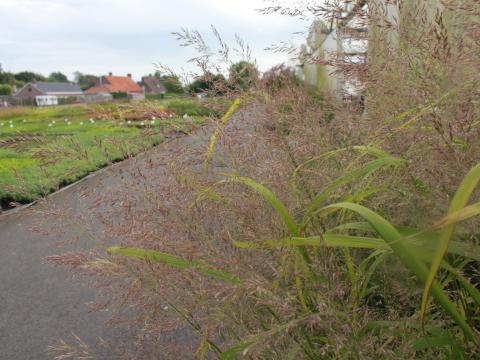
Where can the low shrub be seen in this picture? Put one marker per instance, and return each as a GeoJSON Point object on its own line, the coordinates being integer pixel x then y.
{"type": "Point", "coordinates": [5, 89]}
{"type": "Point", "coordinates": [155, 96]}
{"type": "Point", "coordinates": [190, 107]}
{"type": "Point", "coordinates": [119, 95]}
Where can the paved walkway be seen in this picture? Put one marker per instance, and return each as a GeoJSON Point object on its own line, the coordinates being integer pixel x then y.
{"type": "Point", "coordinates": [40, 304]}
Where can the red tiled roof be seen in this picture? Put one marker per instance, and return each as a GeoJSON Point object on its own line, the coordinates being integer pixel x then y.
{"type": "Point", "coordinates": [96, 90]}
{"type": "Point", "coordinates": [111, 84]}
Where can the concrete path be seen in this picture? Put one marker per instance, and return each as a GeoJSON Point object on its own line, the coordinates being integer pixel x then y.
{"type": "Point", "coordinates": [39, 303]}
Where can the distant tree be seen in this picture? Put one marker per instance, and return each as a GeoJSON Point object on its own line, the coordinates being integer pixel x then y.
{"type": "Point", "coordinates": [57, 77]}
{"type": "Point", "coordinates": [6, 77]}
{"type": "Point", "coordinates": [5, 89]}
{"type": "Point", "coordinates": [172, 84]}
{"type": "Point", "coordinates": [84, 80]}
{"type": "Point", "coordinates": [243, 75]}
{"type": "Point", "coordinates": [29, 76]}
{"type": "Point", "coordinates": [208, 82]}
{"type": "Point", "coordinates": [279, 77]}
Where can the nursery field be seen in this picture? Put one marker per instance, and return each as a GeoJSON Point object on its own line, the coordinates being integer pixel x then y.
{"type": "Point", "coordinates": [42, 149]}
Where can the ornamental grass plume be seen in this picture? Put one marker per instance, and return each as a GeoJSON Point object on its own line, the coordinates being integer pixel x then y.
{"type": "Point", "coordinates": [313, 229]}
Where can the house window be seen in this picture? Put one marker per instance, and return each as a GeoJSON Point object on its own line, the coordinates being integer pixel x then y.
{"type": "Point", "coordinates": [29, 89]}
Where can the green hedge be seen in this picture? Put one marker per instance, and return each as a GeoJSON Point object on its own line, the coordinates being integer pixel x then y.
{"type": "Point", "coordinates": [5, 90]}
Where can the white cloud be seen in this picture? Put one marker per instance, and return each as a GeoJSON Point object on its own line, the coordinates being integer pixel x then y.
{"type": "Point", "coordinates": [97, 36]}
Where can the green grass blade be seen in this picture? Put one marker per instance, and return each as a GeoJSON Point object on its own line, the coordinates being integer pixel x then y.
{"type": "Point", "coordinates": [242, 346]}
{"type": "Point", "coordinates": [175, 262]}
{"type": "Point", "coordinates": [368, 149]}
{"type": "Point", "coordinates": [465, 283]}
{"type": "Point", "coordinates": [361, 172]}
{"type": "Point", "coordinates": [369, 273]}
{"type": "Point", "coordinates": [360, 242]}
{"type": "Point", "coordinates": [434, 342]}
{"type": "Point", "coordinates": [231, 353]}
{"type": "Point", "coordinates": [328, 240]}
{"type": "Point", "coordinates": [426, 239]}
{"type": "Point", "coordinates": [358, 225]}
{"type": "Point", "coordinates": [270, 197]}
{"type": "Point", "coordinates": [371, 150]}
{"type": "Point", "coordinates": [459, 201]}
{"type": "Point", "coordinates": [473, 291]}
{"type": "Point", "coordinates": [455, 217]}
{"type": "Point", "coordinates": [195, 326]}
{"type": "Point", "coordinates": [279, 207]}
{"type": "Point", "coordinates": [216, 133]}
{"type": "Point", "coordinates": [409, 258]}
{"type": "Point", "coordinates": [288, 220]}
{"type": "Point", "coordinates": [208, 192]}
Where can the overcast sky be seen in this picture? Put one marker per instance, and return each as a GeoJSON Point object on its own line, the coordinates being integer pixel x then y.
{"type": "Point", "coordinates": [129, 36]}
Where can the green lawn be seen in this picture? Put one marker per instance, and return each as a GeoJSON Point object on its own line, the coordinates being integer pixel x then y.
{"type": "Point", "coordinates": [42, 149]}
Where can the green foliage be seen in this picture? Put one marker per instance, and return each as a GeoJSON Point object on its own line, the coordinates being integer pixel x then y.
{"type": "Point", "coordinates": [279, 77]}
{"type": "Point", "coordinates": [29, 76]}
{"type": "Point", "coordinates": [119, 95]}
{"type": "Point", "coordinates": [36, 158]}
{"type": "Point", "coordinates": [412, 251]}
{"type": "Point", "coordinates": [409, 258]}
{"type": "Point", "coordinates": [459, 202]}
{"type": "Point", "coordinates": [333, 259]}
{"type": "Point", "coordinates": [84, 80]}
{"type": "Point", "coordinates": [223, 121]}
{"type": "Point", "coordinates": [175, 262]}
{"type": "Point", "coordinates": [7, 78]}
{"type": "Point", "coordinates": [412, 247]}
{"type": "Point", "coordinates": [190, 107]}
{"type": "Point", "coordinates": [243, 75]}
{"type": "Point", "coordinates": [173, 84]}
{"type": "Point", "coordinates": [67, 100]}
{"type": "Point", "coordinates": [57, 77]}
{"type": "Point", "coordinates": [362, 172]}
{"type": "Point", "coordinates": [208, 83]}
{"type": "Point", "coordinates": [23, 77]}
{"type": "Point", "coordinates": [5, 89]}
{"type": "Point", "coordinates": [154, 96]}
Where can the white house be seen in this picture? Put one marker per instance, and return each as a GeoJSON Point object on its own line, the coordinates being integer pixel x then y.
{"type": "Point", "coordinates": [47, 91]}
{"type": "Point", "coordinates": [329, 44]}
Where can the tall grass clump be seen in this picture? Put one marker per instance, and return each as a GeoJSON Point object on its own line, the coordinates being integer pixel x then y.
{"type": "Point", "coordinates": [295, 228]}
